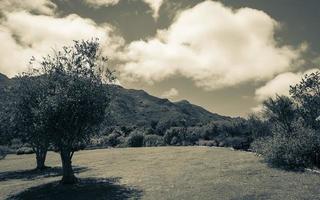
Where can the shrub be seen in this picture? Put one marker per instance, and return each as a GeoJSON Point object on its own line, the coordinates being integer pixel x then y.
{"type": "Point", "coordinates": [192, 136]}
{"type": "Point", "coordinates": [257, 127]}
{"type": "Point", "coordinates": [112, 140]}
{"type": "Point", "coordinates": [153, 141]}
{"type": "Point", "coordinates": [135, 140]}
{"type": "Point", "coordinates": [3, 152]}
{"type": "Point", "coordinates": [79, 146]}
{"type": "Point", "coordinates": [238, 142]}
{"type": "Point", "coordinates": [24, 150]}
{"type": "Point", "coordinates": [209, 143]}
{"type": "Point", "coordinates": [175, 141]}
{"type": "Point", "coordinates": [175, 136]}
{"type": "Point", "coordinates": [16, 143]}
{"type": "Point", "coordinates": [96, 142]}
{"type": "Point", "coordinates": [300, 150]}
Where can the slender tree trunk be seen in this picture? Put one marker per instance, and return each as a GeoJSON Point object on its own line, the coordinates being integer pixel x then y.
{"type": "Point", "coordinates": [41, 154]}
{"type": "Point", "coordinates": [68, 176]}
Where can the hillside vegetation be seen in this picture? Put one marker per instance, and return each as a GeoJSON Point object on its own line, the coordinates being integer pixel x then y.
{"type": "Point", "coordinates": [129, 107]}
{"type": "Point", "coordinates": [133, 111]}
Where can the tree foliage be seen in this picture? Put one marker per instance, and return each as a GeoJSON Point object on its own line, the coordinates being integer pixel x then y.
{"type": "Point", "coordinates": [280, 111]}
{"type": "Point", "coordinates": [295, 141]}
{"type": "Point", "coordinates": [30, 116]}
{"type": "Point", "coordinates": [67, 97]}
{"type": "Point", "coordinates": [307, 95]}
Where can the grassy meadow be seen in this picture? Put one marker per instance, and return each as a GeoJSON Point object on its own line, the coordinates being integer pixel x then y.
{"type": "Point", "coordinates": [157, 173]}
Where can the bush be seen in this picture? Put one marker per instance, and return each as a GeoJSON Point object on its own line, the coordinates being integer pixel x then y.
{"type": "Point", "coordinates": [258, 128]}
{"type": "Point", "coordinates": [300, 150]}
{"type": "Point", "coordinates": [175, 136]}
{"type": "Point", "coordinates": [209, 143]}
{"type": "Point", "coordinates": [24, 150]}
{"type": "Point", "coordinates": [238, 142]}
{"type": "Point", "coordinates": [79, 146]}
{"type": "Point", "coordinates": [122, 141]}
{"type": "Point", "coordinates": [112, 140]}
{"type": "Point", "coordinates": [153, 141]}
{"type": "Point", "coordinates": [192, 136]}
{"type": "Point", "coordinates": [135, 140]}
{"type": "Point", "coordinates": [3, 152]}
{"type": "Point", "coordinates": [16, 143]}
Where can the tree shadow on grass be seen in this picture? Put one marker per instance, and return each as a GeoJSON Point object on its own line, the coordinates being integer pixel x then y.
{"type": "Point", "coordinates": [285, 168]}
{"type": "Point", "coordinates": [32, 174]}
{"type": "Point", "coordinates": [89, 188]}
{"type": "Point", "coordinates": [292, 169]}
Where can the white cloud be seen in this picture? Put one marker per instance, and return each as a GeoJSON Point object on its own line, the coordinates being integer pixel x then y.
{"type": "Point", "coordinates": [214, 46]}
{"type": "Point", "coordinates": [280, 85]}
{"type": "Point", "coordinates": [13, 57]}
{"type": "Point", "coordinates": [98, 3]}
{"type": "Point", "coordinates": [155, 6]}
{"type": "Point", "coordinates": [259, 108]}
{"type": "Point", "coordinates": [46, 7]}
{"type": "Point", "coordinates": [173, 92]}
{"type": "Point", "coordinates": [24, 35]}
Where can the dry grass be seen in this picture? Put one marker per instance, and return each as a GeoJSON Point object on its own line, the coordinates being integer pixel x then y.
{"type": "Point", "coordinates": [162, 173]}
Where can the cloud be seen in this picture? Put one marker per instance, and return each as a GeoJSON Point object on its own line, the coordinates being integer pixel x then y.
{"type": "Point", "coordinates": [24, 35]}
{"type": "Point", "coordinates": [155, 6]}
{"type": "Point", "coordinates": [214, 46]}
{"type": "Point", "coordinates": [98, 3]}
{"type": "Point", "coordinates": [45, 7]}
{"type": "Point", "coordinates": [280, 84]}
{"type": "Point", "coordinates": [173, 92]}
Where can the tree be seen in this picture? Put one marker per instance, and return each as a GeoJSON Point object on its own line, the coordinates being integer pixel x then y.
{"type": "Point", "coordinates": [76, 98]}
{"type": "Point", "coordinates": [29, 113]}
{"type": "Point", "coordinates": [307, 95]}
{"type": "Point", "coordinates": [281, 111]}
{"type": "Point", "coordinates": [258, 127]}
{"type": "Point", "coordinates": [297, 143]}
{"type": "Point", "coordinates": [5, 120]}
{"type": "Point", "coordinates": [6, 117]}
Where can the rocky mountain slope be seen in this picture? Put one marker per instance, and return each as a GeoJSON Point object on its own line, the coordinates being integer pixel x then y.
{"type": "Point", "coordinates": [137, 107]}
{"type": "Point", "coordinates": [129, 107]}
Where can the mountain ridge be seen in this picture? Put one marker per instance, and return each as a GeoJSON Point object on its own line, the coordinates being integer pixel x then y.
{"type": "Point", "coordinates": [131, 107]}
{"type": "Point", "coordinates": [144, 108]}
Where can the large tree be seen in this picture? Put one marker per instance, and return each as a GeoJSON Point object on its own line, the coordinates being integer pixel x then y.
{"type": "Point", "coordinates": [30, 122]}
{"type": "Point", "coordinates": [307, 95]}
{"type": "Point", "coordinates": [77, 98]}
{"type": "Point", "coordinates": [281, 111]}
{"type": "Point", "coordinates": [6, 117]}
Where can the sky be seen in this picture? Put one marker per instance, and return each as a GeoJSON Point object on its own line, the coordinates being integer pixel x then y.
{"type": "Point", "coordinates": [227, 56]}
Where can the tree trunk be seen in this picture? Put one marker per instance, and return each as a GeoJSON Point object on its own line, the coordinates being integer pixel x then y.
{"type": "Point", "coordinates": [68, 176]}
{"type": "Point", "coordinates": [41, 155]}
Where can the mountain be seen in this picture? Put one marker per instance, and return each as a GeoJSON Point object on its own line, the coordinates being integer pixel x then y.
{"type": "Point", "coordinates": [137, 107]}
{"type": "Point", "coordinates": [129, 107]}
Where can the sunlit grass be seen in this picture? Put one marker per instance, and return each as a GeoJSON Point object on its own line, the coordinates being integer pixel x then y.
{"type": "Point", "coordinates": [175, 173]}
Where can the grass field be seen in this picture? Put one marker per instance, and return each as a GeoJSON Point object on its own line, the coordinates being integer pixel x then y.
{"type": "Point", "coordinates": [157, 173]}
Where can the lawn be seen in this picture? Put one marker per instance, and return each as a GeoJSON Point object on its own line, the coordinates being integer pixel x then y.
{"type": "Point", "coordinates": [157, 173]}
